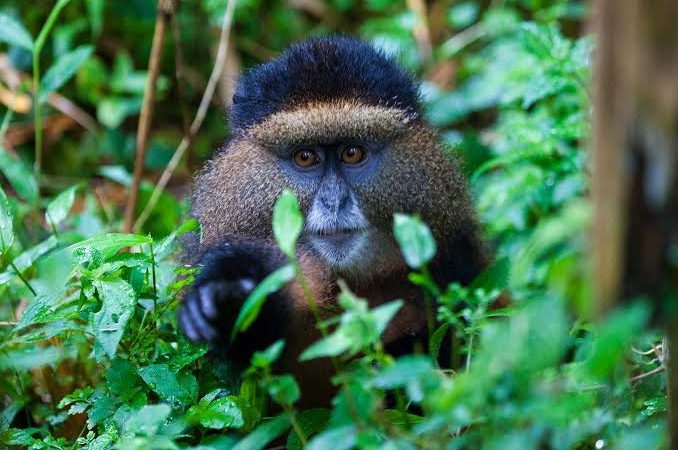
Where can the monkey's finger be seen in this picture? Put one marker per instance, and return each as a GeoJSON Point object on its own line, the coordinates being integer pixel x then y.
{"type": "Point", "coordinates": [208, 295]}
{"type": "Point", "coordinates": [202, 326]}
{"type": "Point", "coordinates": [187, 326]}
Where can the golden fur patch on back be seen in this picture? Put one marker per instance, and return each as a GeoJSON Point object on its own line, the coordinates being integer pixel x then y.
{"type": "Point", "coordinates": [330, 122]}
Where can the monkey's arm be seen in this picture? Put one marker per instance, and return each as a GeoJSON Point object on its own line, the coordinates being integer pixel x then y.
{"type": "Point", "coordinates": [228, 275]}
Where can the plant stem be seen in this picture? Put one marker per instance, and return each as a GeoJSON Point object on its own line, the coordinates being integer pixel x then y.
{"type": "Point", "coordinates": [37, 110]}
{"type": "Point", "coordinates": [20, 275]}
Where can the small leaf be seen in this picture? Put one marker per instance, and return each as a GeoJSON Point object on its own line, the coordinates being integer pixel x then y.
{"type": "Point", "coordinates": [14, 33]}
{"type": "Point", "coordinates": [177, 389]}
{"type": "Point", "coordinates": [415, 240]}
{"type": "Point", "coordinates": [287, 222]}
{"type": "Point", "coordinates": [264, 433]}
{"type": "Point", "coordinates": [19, 175]}
{"type": "Point", "coordinates": [6, 224]}
{"type": "Point", "coordinates": [284, 389]}
{"type": "Point", "coordinates": [267, 357]}
{"type": "Point", "coordinates": [118, 302]}
{"type": "Point", "coordinates": [58, 209]}
{"type": "Point", "coordinates": [250, 309]}
{"type": "Point", "coordinates": [63, 70]}
{"type": "Point", "coordinates": [147, 420]}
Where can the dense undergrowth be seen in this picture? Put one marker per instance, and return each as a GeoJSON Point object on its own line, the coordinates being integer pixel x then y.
{"type": "Point", "coordinates": [90, 354]}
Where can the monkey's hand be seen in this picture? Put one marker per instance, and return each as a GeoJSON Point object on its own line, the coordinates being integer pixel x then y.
{"type": "Point", "coordinates": [229, 274]}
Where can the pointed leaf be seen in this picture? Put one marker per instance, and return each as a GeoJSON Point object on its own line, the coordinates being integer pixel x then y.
{"type": "Point", "coordinates": [63, 70]}
{"type": "Point", "coordinates": [118, 301]}
{"type": "Point", "coordinates": [19, 175]}
{"type": "Point", "coordinates": [58, 209]}
{"type": "Point", "coordinates": [250, 309]}
{"type": "Point", "coordinates": [287, 222]}
{"type": "Point", "coordinates": [14, 33]}
{"type": "Point", "coordinates": [6, 224]}
{"type": "Point", "coordinates": [415, 240]}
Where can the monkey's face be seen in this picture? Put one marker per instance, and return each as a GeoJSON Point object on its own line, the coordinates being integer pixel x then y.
{"type": "Point", "coordinates": [351, 165]}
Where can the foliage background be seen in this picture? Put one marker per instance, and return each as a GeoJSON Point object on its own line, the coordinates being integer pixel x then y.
{"type": "Point", "coordinates": [94, 360]}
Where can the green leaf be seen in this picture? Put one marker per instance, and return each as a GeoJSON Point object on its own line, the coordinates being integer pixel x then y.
{"type": "Point", "coordinates": [178, 389]}
{"type": "Point", "coordinates": [250, 309]}
{"type": "Point", "coordinates": [63, 70]}
{"type": "Point", "coordinates": [264, 433]}
{"type": "Point", "coordinates": [19, 175]}
{"type": "Point", "coordinates": [311, 422]}
{"type": "Point", "coordinates": [415, 240]}
{"type": "Point", "coordinates": [284, 389]}
{"type": "Point", "coordinates": [405, 370]}
{"type": "Point", "coordinates": [217, 413]}
{"type": "Point", "coordinates": [147, 420]}
{"type": "Point", "coordinates": [267, 357]}
{"type": "Point", "coordinates": [112, 111]}
{"type": "Point", "coordinates": [437, 340]}
{"type": "Point", "coordinates": [117, 305]}
{"type": "Point", "coordinates": [287, 222]}
{"type": "Point", "coordinates": [40, 310]}
{"type": "Point", "coordinates": [58, 209]}
{"type": "Point", "coordinates": [109, 244]}
{"type": "Point", "coordinates": [14, 33]}
{"type": "Point", "coordinates": [341, 438]}
{"type": "Point", "coordinates": [6, 224]}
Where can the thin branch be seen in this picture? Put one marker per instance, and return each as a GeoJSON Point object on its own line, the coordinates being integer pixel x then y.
{"type": "Point", "coordinates": [217, 70]}
{"type": "Point", "coordinates": [647, 374]}
{"type": "Point", "coordinates": [179, 78]}
{"type": "Point", "coordinates": [165, 11]}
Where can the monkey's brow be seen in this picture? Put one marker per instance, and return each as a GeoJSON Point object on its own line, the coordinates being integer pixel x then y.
{"type": "Point", "coordinates": [331, 122]}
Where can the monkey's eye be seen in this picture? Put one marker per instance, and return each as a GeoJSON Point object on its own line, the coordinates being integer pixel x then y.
{"type": "Point", "coordinates": [352, 155]}
{"type": "Point", "coordinates": [305, 158]}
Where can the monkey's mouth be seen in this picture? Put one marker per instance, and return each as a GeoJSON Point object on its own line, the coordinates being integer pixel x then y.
{"type": "Point", "coordinates": [338, 232]}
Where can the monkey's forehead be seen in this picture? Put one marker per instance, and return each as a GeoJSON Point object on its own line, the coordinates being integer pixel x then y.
{"type": "Point", "coordinates": [320, 123]}
{"type": "Point", "coordinates": [322, 69]}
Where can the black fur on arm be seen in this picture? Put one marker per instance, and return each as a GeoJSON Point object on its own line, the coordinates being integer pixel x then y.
{"type": "Point", "coordinates": [462, 259]}
{"type": "Point", "coordinates": [229, 273]}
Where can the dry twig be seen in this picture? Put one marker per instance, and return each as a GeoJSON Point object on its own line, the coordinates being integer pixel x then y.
{"type": "Point", "coordinates": [165, 11]}
{"type": "Point", "coordinates": [217, 70]}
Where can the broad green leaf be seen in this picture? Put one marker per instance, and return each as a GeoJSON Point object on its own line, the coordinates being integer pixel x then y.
{"type": "Point", "coordinates": [178, 389]}
{"type": "Point", "coordinates": [58, 209]}
{"type": "Point", "coordinates": [147, 420]}
{"type": "Point", "coordinates": [250, 309]}
{"type": "Point", "coordinates": [415, 240]}
{"type": "Point", "coordinates": [14, 33]}
{"type": "Point", "coordinates": [63, 70]}
{"type": "Point", "coordinates": [19, 175]}
{"type": "Point", "coordinates": [6, 224]}
{"type": "Point", "coordinates": [40, 310]}
{"type": "Point", "coordinates": [217, 413]}
{"type": "Point", "coordinates": [109, 244]}
{"type": "Point", "coordinates": [264, 433]}
{"type": "Point", "coordinates": [287, 222]}
{"type": "Point", "coordinates": [117, 305]}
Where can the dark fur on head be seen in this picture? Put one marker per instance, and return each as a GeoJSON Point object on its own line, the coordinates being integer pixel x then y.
{"type": "Point", "coordinates": [321, 70]}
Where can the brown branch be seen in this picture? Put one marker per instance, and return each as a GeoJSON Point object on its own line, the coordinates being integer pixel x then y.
{"type": "Point", "coordinates": [165, 11]}
{"type": "Point", "coordinates": [421, 32]}
{"type": "Point", "coordinates": [217, 70]}
{"type": "Point", "coordinates": [647, 374]}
